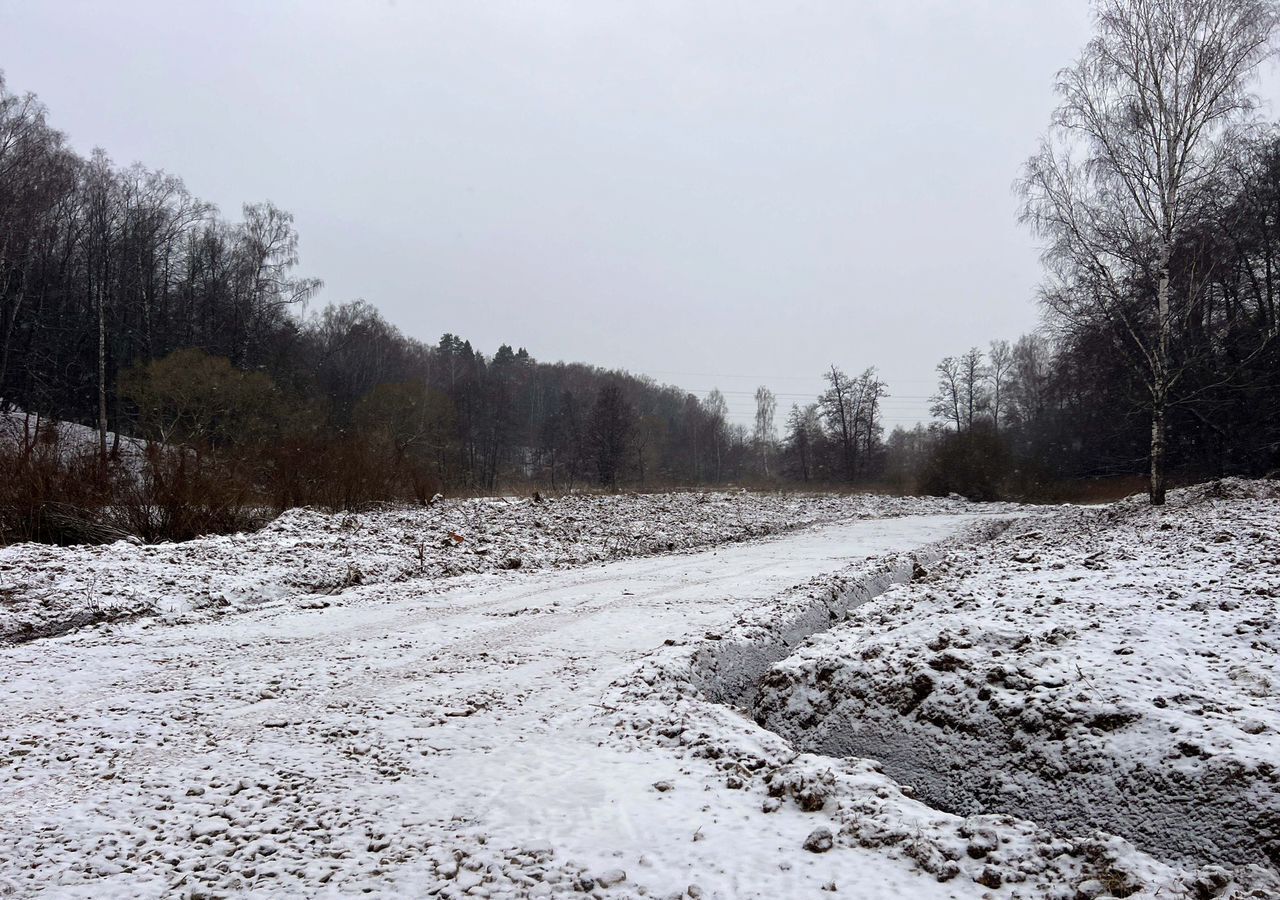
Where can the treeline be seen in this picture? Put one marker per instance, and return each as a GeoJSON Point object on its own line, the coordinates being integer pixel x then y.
{"type": "Point", "coordinates": [1155, 203]}
{"type": "Point", "coordinates": [130, 306]}
{"type": "Point", "coordinates": [1074, 401]}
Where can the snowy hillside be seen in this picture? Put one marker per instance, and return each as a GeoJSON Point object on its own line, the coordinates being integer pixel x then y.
{"type": "Point", "coordinates": [19, 429]}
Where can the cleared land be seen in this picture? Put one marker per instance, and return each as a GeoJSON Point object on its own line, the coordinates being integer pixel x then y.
{"type": "Point", "coordinates": [499, 731]}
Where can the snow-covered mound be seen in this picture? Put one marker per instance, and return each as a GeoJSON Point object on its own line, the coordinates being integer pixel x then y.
{"type": "Point", "coordinates": [22, 430]}
{"type": "Point", "coordinates": [1108, 668]}
{"type": "Point", "coordinates": [306, 555]}
{"type": "Point", "coordinates": [852, 806]}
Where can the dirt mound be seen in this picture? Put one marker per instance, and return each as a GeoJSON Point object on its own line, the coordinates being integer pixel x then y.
{"type": "Point", "coordinates": [1227, 489]}
{"type": "Point", "coordinates": [1217, 490]}
{"type": "Point", "coordinates": [1110, 668]}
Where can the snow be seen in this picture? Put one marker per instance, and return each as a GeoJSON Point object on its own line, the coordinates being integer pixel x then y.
{"type": "Point", "coordinates": [19, 429]}
{"type": "Point", "coordinates": [358, 717]}
{"type": "Point", "coordinates": [306, 557]}
{"type": "Point", "coordinates": [1110, 668]}
{"type": "Point", "coordinates": [410, 739]}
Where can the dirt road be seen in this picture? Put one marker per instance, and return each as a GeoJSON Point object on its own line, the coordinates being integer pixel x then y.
{"type": "Point", "coordinates": [404, 740]}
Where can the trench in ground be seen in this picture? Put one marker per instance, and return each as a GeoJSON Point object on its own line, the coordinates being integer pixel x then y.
{"type": "Point", "coordinates": [1154, 809]}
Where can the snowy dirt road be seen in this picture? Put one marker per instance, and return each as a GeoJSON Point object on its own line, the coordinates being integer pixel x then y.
{"type": "Point", "coordinates": [408, 741]}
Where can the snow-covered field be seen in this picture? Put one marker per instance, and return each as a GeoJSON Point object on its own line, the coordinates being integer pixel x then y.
{"type": "Point", "coordinates": [405, 739]}
{"type": "Point", "coordinates": [306, 556]}
{"type": "Point", "coordinates": [577, 726]}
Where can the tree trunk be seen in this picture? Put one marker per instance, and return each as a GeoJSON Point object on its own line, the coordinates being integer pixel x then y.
{"type": "Point", "coordinates": [8, 340]}
{"type": "Point", "coordinates": [1156, 489]}
{"type": "Point", "coordinates": [102, 383]}
{"type": "Point", "coordinates": [1160, 384]}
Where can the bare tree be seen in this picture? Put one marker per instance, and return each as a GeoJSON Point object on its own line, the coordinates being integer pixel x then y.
{"type": "Point", "coordinates": [850, 407]}
{"type": "Point", "coordinates": [612, 430]}
{"type": "Point", "coordinates": [838, 409]}
{"type": "Point", "coordinates": [766, 407]}
{"type": "Point", "coordinates": [269, 249]}
{"type": "Point", "coordinates": [961, 395]}
{"type": "Point", "coordinates": [871, 391]}
{"type": "Point", "coordinates": [648, 435]}
{"type": "Point", "coordinates": [37, 177]}
{"type": "Point", "coordinates": [101, 214]}
{"type": "Point", "coordinates": [803, 429]}
{"type": "Point", "coordinates": [999, 373]}
{"type": "Point", "coordinates": [973, 376]}
{"type": "Point", "coordinates": [1031, 372]}
{"type": "Point", "coordinates": [717, 414]}
{"type": "Point", "coordinates": [1138, 144]}
{"type": "Point", "coordinates": [947, 401]}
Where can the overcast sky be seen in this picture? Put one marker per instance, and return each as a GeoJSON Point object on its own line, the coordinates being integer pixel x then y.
{"type": "Point", "coordinates": [715, 193]}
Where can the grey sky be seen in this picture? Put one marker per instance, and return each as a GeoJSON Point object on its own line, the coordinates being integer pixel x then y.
{"type": "Point", "coordinates": [693, 190]}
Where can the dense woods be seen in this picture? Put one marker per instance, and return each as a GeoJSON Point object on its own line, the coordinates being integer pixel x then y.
{"type": "Point", "coordinates": [132, 307]}
{"type": "Point", "coordinates": [182, 342]}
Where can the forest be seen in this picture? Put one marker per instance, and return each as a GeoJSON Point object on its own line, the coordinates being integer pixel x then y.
{"type": "Point", "coordinates": [184, 343]}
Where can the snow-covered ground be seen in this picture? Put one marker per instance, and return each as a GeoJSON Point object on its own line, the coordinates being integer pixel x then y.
{"type": "Point", "coordinates": [19, 430]}
{"type": "Point", "coordinates": [581, 725]}
{"type": "Point", "coordinates": [405, 740]}
{"type": "Point", "coordinates": [1112, 668]}
{"type": "Point", "coordinates": [26, 429]}
{"type": "Point", "coordinates": [305, 556]}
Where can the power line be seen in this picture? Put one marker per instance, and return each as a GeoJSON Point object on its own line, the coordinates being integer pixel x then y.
{"type": "Point", "coordinates": [765, 377]}
{"type": "Point", "coordinates": [798, 394]}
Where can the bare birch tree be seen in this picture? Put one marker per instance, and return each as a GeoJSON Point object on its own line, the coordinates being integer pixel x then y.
{"type": "Point", "coordinates": [1136, 147]}
{"type": "Point", "coordinates": [766, 407]}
